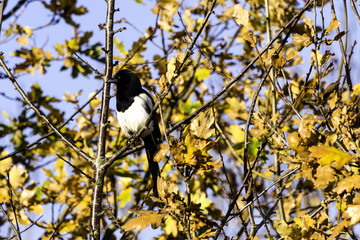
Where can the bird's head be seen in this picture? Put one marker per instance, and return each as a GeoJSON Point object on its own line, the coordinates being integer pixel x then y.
{"type": "Point", "coordinates": [127, 82]}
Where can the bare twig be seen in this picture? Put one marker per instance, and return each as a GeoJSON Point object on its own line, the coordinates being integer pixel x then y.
{"type": "Point", "coordinates": [99, 168]}
{"type": "Point", "coordinates": [343, 50]}
{"type": "Point", "coordinates": [13, 228]}
{"type": "Point", "coordinates": [42, 115]}
{"type": "Point", "coordinates": [355, 10]}
{"type": "Point", "coordinates": [73, 166]}
{"type": "Point", "coordinates": [27, 147]}
{"type": "Point", "coordinates": [3, 2]}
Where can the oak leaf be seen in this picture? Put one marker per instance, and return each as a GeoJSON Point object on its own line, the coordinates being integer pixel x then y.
{"type": "Point", "coordinates": [328, 155]}
{"type": "Point", "coordinates": [241, 16]}
{"type": "Point", "coordinates": [143, 221]}
{"type": "Point", "coordinates": [353, 213]}
{"type": "Point", "coordinates": [348, 184]}
{"type": "Point", "coordinates": [202, 126]}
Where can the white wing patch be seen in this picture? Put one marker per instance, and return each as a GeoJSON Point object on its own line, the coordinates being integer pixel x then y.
{"type": "Point", "coordinates": [134, 118]}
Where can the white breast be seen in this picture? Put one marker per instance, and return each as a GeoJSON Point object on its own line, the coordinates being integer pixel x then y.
{"type": "Point", "coordinates": [134, 118]}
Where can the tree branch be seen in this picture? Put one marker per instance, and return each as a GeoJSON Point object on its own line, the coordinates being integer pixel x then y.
{"type": "Point", "coordinates": [99, 168]}
{"type": "Point", "coordinates": [41, 114]}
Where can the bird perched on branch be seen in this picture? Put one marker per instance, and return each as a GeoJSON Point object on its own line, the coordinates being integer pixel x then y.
{"type": "Point", "coordinates": [134, 105]}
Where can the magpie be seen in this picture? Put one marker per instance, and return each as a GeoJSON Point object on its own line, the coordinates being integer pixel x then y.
{"type": "Point", "coordinates": [133, 105]}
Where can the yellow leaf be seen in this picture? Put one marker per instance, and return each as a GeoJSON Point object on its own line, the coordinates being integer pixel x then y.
{"type": "Point", "coordinates": [18, 176]}
{"type": "Point", "coordinates": [23, 40]}
{"type": "Point", "coordinates": [202, 126]}
{"type": "Point", "coordinates": [202, 74]}
{"type": "Point", "coordinates": [248, 36]}
{"type": "Point", "coordinates": [338, 229]}
{"type": "Point", "coordinates": [73, 44]}
{"type": "Point", "coordinates": [356, 89]}
{"type": "Point", "coordinates": [59, 49]}
{"type": "Point", "coordinates": [142, 222]}
{"type": "Point", "coordinates": [294, 140]}
{"type": "Point", "coordinates": [237, 133]}
{"type": "Point", "coordinates": [162, 82]}
{"type": "Point", "coordinates": [171, 227]}
{"type": "Point", "coordinates": [166, 188]}
{"type": "Point", "coordinates": [161, 153]}
{"type": "Point", "coordinates": [125, 196]}
{"type": "Point", "coordinates": [316, 57]}
{"type": "Point", "coordinates": [36, 209]}
{"type": "Point", "coordinates": [95, 102]}
{"type": "Point", "coordinates": [27, 196]}
{"type": "Point", "coordinates": [333, 24]}
{"type": "Point", "coordinates": [301, 41]}
{"type": "Point", "coordinates": [4, 195]}
{"type": "Point", "coordinates": [328, 155]}
{"type": "Point", "coordinates": [5, 166]}
{"type": "Point", "coordinates": [171, 70]}
{"type": "Point", "coordinates": [353, 213]}
{"type": "Point", "coordinates": [324, 175]}
{"type": "Point", "coordinates": [348, 184]}
{"type": "Point", "coordinates": [28, 31]}
{"type": "Point", "coordinates": [70, 98]}
{"type": "Point", "coordinates": [241, 16]}
{"type": "Point", "coordinates": [306, 125]}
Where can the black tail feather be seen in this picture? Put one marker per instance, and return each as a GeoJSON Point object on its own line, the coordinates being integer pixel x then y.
{"type": "Point", "coordinates": [151, 149]}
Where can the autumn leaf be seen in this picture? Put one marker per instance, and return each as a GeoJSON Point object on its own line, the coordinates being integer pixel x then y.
{"type": "Point", "coordinates": [241, 16]}
{"type": "Point", "coordinates": [356, 89]}
{"type": "Point", "coordinates": [333, 24]}
{"type": "Point", "coordinates": [348, 184]}
{"type": "Point", "coordinates": [306, 126]}
{"type": "Point", "coordinates": [248, 36]}
{"type": "Point", "coordinates": [5, 166]}
{"type": "Point", "coordinates": [324, 175]}
{"type": "Point", "coordinates": [353, 213]}
{"type": "Point", "coordinates": [161, 153]}
{"type": "Point", "coordinates": [23, 40]}
{"type": "Point", "coordinates": [328, 155]}
{"type": "Point", "coordinates": [202, 126]}
{"type": "Point", "coordinates": [18, 176]}
{"type": "Point", "coordinates": [27, 196]}
{"type": "Point", "coordinates": [301, 41]}
{"type": "Point", "coordinates": [165, 188]}
{"type": "Point", "coordinates": [171, 226]}
{"type": "Point", "coordinates": [338, 229]}
{"type": "Point", "coordinates": [142, 222]}
{"type": "Point", "coordinates": [237, 133]}
{"type": "Point", "coordinates": [202, 74]}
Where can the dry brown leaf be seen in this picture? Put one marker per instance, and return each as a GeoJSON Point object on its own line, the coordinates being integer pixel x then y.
{"type": "Point", "coordinates": [202, 126]}
{"type": "Point", "coordinates": [161, 153]}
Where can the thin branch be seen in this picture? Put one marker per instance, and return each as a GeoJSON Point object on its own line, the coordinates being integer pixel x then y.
{"type": "Point", "coordinates": [41, 114]}
{"type": "Point", "coordinates": [13, 228]}
{"type": "Point", "coordinates": [27, 147]}
{"type": "Point", "coordinates": [3, 3]}
{"type": "Point", "coordinates": [99, 168]}
{"type": "Point", "coordinates": [355, 10]}
{"type": "Point", "coordinates": [86, 63]}
{"type": "Point", "coordinates": [343, 50]}
{"type": "Point", "coordinates": [73, 166]}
